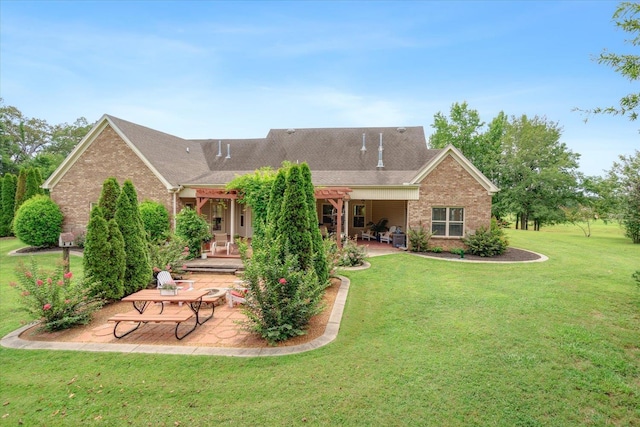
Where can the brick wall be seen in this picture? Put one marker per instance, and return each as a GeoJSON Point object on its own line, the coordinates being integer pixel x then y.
{"type": "Point", "coordinates": [450, 185]}
{"type": "Point", "coordinates": [107, 156]}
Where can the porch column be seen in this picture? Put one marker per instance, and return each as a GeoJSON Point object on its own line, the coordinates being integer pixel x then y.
{"type": "Point", "coordinates": [346, 218]}
{"type": "Point", "coordinates": [233, 219]}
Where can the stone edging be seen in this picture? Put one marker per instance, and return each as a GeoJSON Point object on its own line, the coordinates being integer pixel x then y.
{"type": "Point", "coordinates": [542, 258]}
{"type": "Point", "coordinates": [13, 340]}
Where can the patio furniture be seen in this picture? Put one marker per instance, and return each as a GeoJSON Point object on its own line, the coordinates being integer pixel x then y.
{"type": "Point", "coordinates": [387, 235]}
{"type": "Point", "coordinates": [368, 234]}
{"type": "Point", "coordinates": [237, 294]}
{"type": "Point", "coordinates": [220, 240]}
{"type": "Point", "coordinates": [164, 277]}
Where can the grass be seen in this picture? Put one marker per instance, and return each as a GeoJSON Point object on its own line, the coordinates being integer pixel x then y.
{"type": "Point", "coordinates": [422, 342]}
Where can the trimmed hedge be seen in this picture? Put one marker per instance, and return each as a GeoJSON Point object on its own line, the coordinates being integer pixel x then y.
{"type": "Point", "coordinates": [38, 222]}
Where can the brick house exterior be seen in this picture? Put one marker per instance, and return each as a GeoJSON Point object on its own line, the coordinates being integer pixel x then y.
{"type": "Point", "coordinates": [389, 172]}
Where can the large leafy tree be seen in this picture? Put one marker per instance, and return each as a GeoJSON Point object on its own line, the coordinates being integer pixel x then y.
{"type": "Point", "coordinates": [627, 18]}
{"type": "Point", "coordinates": [624, 179]}
{"type": "Point", "coordinates": [538, 173]}
{"type": "Point", "coordinates": [32, 142]}
{"type": "Point", "coordinates": [466, 131]}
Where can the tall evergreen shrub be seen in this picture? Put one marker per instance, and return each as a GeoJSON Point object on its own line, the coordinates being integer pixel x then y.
{"type": "Point", "coordinates": [21, 188]}
{"type": "Point", "coordinates": [109, 197]}
{"type": "Point", "coordinates": [33, 184]}
{"type": "Point", "coordinates": [321, 263]}
{"type": "Point", "coordinates": [138, 269]}
{"type": "Point", "coordinates": [9, 182]}
{"type": "Point", "coordinates": [95, 259]}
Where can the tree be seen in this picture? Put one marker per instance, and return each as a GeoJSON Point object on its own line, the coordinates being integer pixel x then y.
{"type": "Point", "coordinates": [38, 222]}
{"type": "Point", "coordinates": [33, 183]}
{"type": "Point", "coordinates": [320, 261]}
{"type": "Point", "coordinates": [9, 183]}
{"type": "Point", "coordinates": [138, 269]}
{"type": "Point", "coordinates": [155, 218]}
{"type": "Point", "coordinates": [625, 18]}
{"type": "Point", "coordinates": [193, 228]}
{"type": "Point", "coordinates": [538, 173]}
{"type": "Point", "coordinates": [284, 289]}
{"type": "Point", "coordinates": [109, 198]}
{"type": "Point", "coordinates": [95, 257]}
{"type": "Point", "coordinates": [21, 188]}
{"type": "Point", "coordinates": [624, 177]}
{"type": "Point", "coordinates": [465, 131]}
{"type": "Point", "coordinates": [31, 142]}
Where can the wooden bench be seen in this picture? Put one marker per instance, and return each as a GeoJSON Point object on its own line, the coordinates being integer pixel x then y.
{"type": "Point", "coordinates": [134, 316]}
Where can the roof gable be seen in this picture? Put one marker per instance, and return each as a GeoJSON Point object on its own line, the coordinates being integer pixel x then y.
{"type": "Point", "coordinates": [457, 155]}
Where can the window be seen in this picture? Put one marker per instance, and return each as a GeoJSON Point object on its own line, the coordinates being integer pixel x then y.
{"type": "Point", "coordinates": [447, 222]}
{"type": "Point", "coordinates": [327, 211]}
{"type": "Point", "coordinates": [358, 216]}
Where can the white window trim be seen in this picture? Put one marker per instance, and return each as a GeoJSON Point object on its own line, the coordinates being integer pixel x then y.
{"type": "Point", "coordinates": [448, 222]}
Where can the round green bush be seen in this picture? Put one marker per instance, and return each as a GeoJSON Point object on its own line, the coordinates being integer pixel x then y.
{"type": "Point", "coordinates": [155, 219]}
{"type": "Point", "coordinates": [38, 222]}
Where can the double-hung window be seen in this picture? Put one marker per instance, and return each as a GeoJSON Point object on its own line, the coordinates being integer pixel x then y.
{"type": "Point", "coordinates": [447, 222]}
{"type": "Point", "coordinates": [358, 216]}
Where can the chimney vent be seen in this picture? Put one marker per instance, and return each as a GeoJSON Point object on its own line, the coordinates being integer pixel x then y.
{"type": "Point", "coordinates": [364, 148]}
{"type": "Point", "coordinates": [219, 149]}
{"type": "Point", "coordinates": [380, 150]}
{"type": "Point", "coordinates": [228, 151]}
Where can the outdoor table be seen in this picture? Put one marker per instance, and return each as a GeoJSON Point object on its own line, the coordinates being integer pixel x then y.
{"type": "Point", "coordinates": [193, 298]}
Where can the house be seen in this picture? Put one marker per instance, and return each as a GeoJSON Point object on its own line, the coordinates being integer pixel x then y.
{"type": "Point", "coordinates": [364, 174]}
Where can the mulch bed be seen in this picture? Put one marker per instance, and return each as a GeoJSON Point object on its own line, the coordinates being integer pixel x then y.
{"type": "Point", "coordinates": [510, 255]}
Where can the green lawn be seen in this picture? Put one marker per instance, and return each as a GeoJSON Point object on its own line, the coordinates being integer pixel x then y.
{"type": "Point", "coordinates": [422, 342]}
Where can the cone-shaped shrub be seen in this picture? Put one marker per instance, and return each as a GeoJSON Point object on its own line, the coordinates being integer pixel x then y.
{"type": "Point", "coordinates": [21, 188]}
{"type": "Point", "coordinates": [33, 184]}
{"type": "Point", "coordinates": [95, 259]}
{"type": "Point", "coordinates": [109, 198]}
{"type": "Point", "coordinates": [320, 256]}
{"type": "Point", "coordinates": [117, 262]}
{"type": "Point", "coordinates": [138, 270]}
{"type": "Point", "coordinates": [293, 224]}
{"type": "Point", "coordinates": [38, 222]}
{"type": "Point", "coordinates": [9, 183]}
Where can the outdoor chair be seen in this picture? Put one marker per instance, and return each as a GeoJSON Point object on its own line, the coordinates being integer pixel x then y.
{"type": "Point", "coordinates": [220, 241]}
{"type": "Point", "coordinates": [164, 277]}
{"type": "Point", "coordinates": [386, 236]}
{"type": "Point", "coordinates": [368, 234]}
{"type": "Point", "coordinates": [236, 295]}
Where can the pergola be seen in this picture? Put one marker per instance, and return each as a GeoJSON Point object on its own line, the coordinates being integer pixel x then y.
{"type": "Point", "coordinates": [337, 196]}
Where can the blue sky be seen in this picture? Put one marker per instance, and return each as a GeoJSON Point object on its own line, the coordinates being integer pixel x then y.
{"type": "Point", "coordinates": [200, 69]}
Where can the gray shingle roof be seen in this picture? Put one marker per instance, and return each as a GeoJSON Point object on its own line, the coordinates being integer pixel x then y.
{"type": "Point", "coordinates": [334, 155]}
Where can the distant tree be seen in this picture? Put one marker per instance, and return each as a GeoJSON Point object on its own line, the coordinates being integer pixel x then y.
{"type": "Point", "coordinates": [21, 188]}
{"type": "Point", "coordinates": [38, 222]}
{"type": "Point", "coordinates": [624, 177]}
{"type": "Point", "coordinates": [109, 198]}
{"type": "Point", "coordinates": [29, 142]}
{"type": "Point", "coordinates": [155, 218]}
{"type": "Point", "coordinates": [138, 269]}
{"type": "Point", "coordinates": [626, 17]}
{"type": "Point", "coordinates": [9, 183]}
{"type": "Point", "coordinates": [538, 173]}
